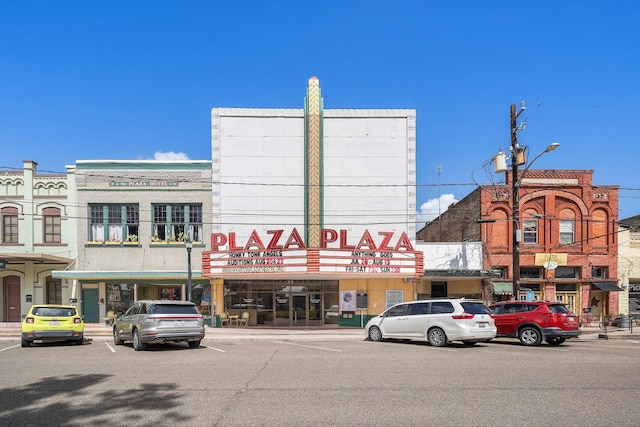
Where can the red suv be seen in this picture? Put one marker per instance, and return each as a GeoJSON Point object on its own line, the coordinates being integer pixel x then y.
{"type": "Point", "coordinates": [534, 321]}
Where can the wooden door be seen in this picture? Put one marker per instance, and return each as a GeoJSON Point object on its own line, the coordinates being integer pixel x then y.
{"type": "Point", "coordinates": [11, 311]}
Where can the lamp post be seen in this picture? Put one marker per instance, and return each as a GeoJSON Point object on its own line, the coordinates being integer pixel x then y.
{"type": "Point", "coordinates": [518, 158]}
{"type": "Point", "coordinates": [189, 245]}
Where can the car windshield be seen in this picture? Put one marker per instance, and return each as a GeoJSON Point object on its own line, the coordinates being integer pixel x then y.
{"type": "Point", "coordinates": [173, 309]}
{"type": "Point", "coordinates": [54, 311]}
{"type": "Point", "coordinates": [475, 308]}
{"type": "Point", "coordinates": [558, 308]}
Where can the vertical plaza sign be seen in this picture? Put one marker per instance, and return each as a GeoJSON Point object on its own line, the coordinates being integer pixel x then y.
{"type": "Point", "coordinates": [280, 254]}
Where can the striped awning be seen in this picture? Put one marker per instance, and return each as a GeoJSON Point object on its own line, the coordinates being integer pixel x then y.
{"type": "Point", "coordinates": [503, 288]}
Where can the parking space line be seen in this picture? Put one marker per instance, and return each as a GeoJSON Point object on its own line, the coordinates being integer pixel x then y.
{"type": "Point", "coordinates": [215, 349]}
{"type": "Point", "coordinates": [113, 350]}
{"type": "Point", "coordinates": [606, 345]}
{"type": "Point", "coordinates": [8, 348]}
{"type": "Point", "coordinates": [308, 346]}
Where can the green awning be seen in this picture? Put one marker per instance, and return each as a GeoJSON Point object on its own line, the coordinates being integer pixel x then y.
{"type": "Point", "coordinates": [503, 288]}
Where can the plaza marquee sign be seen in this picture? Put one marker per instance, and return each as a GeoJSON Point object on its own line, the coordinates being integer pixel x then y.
{"type": "Point", "coordinates": [280, 254]}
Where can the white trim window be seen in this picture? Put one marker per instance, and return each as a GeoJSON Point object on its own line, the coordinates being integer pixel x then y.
{"type": "Point", "coordinates": [177, 223]}
{"type": "Point", "coordinates": [530, 231]}
{"type": "Point", "coordinates": [113, 222]}
{"type": "Point", "coordinates": [567, 231]}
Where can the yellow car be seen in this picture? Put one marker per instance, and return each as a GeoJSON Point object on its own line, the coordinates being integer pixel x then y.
{"type": "Point", "coordinates": [50, 322]}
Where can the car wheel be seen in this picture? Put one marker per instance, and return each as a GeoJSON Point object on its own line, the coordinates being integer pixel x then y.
{"type": "Point", "coordinates": [80, 342]}
{"type": "Point", "coordinates": [194, 344]}
{"type": "Point", "coordinates": [469, 343]}
{"type": "Point", "coordinates": [137, 344]}
{"type": "Point", "coordinates": [25, 343]}
{"type": "Point", "coordinates": [555, 341]}
{"type": "Point", "coordinates": [437, 337]}
{"type": "Point", "coordinates": [116, 337]}
{"type": "Point", "coordinates": [375, 334]}
{"type": "Point", "coordinates": [529, 336]}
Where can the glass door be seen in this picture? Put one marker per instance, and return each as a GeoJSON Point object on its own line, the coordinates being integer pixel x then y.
{"type": "Point", "coordinates": [299, 308]}
{"type": "Point", "coordinates": [315, 309]}
{"type": "Point", "coordinates": [283, 309]}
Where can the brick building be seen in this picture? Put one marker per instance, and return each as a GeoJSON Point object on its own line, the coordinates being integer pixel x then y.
{"type": "Point", "coordinates": [568, 232]}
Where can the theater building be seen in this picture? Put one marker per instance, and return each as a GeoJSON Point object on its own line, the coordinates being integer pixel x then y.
{"type": "Point", "coordinates": [313, 212]}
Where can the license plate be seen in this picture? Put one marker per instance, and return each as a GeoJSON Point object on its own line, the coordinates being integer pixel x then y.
{"type": "Point", "coordinates": [570, 319]}
{"type": "Point", "coordinates": [54, 323]}
{"type": "Point", "coordinates": [481, 325]}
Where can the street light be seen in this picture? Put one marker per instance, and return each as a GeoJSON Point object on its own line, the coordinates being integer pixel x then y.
{"type": "Point", "coordinates": [518, 158]}
{"type": "Point", "coordinates": [189, 245]}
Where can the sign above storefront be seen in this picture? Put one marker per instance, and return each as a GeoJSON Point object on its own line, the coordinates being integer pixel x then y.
{"type": "Point", "coordinates": [288, 255]}
{"type": "Point", "coordinates": [547, 258]}
{"type": "Point", "coordinates": [328, 238]}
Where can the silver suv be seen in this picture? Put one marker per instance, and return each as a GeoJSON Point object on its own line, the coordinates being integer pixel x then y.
{"type": "Point", "coordinates": [438, 321]}
{"type": "Point", "coordinates": [155, 322]}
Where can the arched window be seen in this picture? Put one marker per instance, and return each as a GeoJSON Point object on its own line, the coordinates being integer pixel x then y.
{"type": "Point", "coordinates": [530, 227]}
{"type": "Point", "coordinates": [9, 225]}
{"type": "Point", "coordinates": [567, 227]}
{"type": "Point", "coordinates": [52, 227]}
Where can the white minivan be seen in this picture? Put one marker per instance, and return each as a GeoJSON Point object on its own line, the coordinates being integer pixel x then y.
{"type": "Point", "coordinates": [438, 321]}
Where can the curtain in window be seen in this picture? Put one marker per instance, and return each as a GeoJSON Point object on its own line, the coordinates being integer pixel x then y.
{"type": "Point", "coordinates": [115, 232]}
{"type": "Point", "coordinates": [97, 232]}
{"type": "Point", "coordinates": [195, 232]}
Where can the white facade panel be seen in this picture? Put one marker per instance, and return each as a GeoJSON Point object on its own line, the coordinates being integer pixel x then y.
{"type": "Point", "coordinates": [368, 170]}
{"type": "Point", "coordinates": [261, 158]}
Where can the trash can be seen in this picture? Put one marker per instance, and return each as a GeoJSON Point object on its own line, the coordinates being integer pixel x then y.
{"type": "Point", "coordinates": [207, 319]}
{"type": "Point", "coordinates": [622, 322]}
{"type": "Point", "coordinates": [218, 323]}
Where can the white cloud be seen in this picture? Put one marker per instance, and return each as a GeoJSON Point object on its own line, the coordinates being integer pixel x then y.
{"type": "Point", "coordinates": [434, 207]}
{"type": "Point", "coordinates": [169, 155]}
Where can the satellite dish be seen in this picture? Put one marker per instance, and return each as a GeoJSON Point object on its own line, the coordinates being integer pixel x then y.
{"type": "Point", "coordinates": [550, 265]}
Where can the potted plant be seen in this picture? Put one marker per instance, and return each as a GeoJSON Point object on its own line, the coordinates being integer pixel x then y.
{"type": "Point", "coordinates": [132, 239]}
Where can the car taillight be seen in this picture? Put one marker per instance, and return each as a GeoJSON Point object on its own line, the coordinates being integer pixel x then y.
{"type": "Point", "coordinates": [29, 320]}
{"type": "Point", "coordinates": [463, 316]}
{"type": "Point", "coordinates": [77, 320]}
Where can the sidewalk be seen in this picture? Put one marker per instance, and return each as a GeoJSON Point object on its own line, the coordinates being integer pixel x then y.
{"type": "Point", "coordinates": [100, 332]}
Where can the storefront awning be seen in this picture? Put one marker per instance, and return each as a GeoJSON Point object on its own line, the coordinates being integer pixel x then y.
{"type": "Point", "coordinates": [128, 276]}
{"type": "Point", "coordinates": [607, 286]}
{"type": "Point", "coordinates": [37, 258]}
{"type": "Point", "coordinates": [503, 288]}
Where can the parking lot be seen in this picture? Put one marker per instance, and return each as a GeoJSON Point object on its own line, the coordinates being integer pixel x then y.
{"type": "Point", "coordinates": [274, 382]}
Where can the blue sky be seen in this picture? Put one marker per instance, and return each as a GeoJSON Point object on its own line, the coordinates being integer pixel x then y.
{"type": "Point", "coordinates": [84, 80]}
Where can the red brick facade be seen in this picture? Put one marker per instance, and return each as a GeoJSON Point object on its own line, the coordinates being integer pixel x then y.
{"type": "Point", "coordinates": [564, 218]}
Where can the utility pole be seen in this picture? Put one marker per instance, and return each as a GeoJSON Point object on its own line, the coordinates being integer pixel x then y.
{"type": "Point", "coordinates": [515, 199]}
{"type": "Point", "coordinates": [518, 158]}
